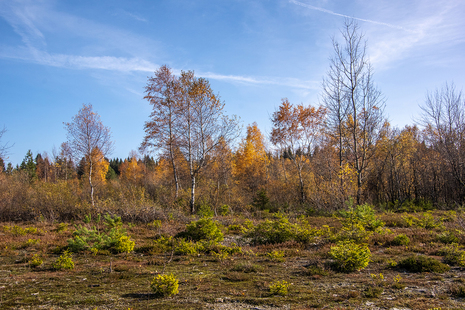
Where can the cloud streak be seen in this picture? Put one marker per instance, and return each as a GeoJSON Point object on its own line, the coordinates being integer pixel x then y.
{"type": "Point", "coordinates": [311, 7]}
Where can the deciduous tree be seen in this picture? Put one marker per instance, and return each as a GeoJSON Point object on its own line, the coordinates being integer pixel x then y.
{"type": "Point", "coordinates": [88, 138]}
{"type": "Point", "coordinates": [296, 130]}
{"type": "Point", "coordinates": [353, 102]}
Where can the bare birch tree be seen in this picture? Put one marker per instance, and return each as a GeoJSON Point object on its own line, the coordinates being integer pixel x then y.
{"type": "Point", "coordinates": [444, 120]}
{"type": "Point", "coordinates": [355, 106]}
{"type": "Point", "coordinates": [88, 138]}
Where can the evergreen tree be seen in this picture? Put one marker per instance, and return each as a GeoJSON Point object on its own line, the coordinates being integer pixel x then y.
{"type": "Point", "coordinates": [29, 166]}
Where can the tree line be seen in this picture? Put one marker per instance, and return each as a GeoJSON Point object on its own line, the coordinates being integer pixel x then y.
{"type": "Point", "coordinates": [316, 157]}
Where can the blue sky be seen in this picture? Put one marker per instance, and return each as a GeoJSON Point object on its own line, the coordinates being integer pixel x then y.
{"type": "Point", "coordinates": [57, 55]}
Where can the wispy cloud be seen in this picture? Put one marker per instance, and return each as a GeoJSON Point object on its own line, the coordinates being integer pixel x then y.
{"type": "Point", "coordinates": [311, 7]}
{"type": "Point", "coordinates": [28, 20]}
{"type": "Point", "coordinates": [291, 82]}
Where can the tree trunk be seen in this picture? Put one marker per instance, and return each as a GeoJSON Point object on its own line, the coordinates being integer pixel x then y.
{"type": "Point", "coordinates": [192, 202]}
{"type": "Point", "coordinates": [91, 185]}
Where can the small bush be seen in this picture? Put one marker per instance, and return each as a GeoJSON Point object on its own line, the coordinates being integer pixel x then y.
{"type": "Point", "coordinates": [280, 288]}
{"type": "Point", "coordinates": [361, 214]}
{"type": "Point", "coordinates": [165, 285]}
{"type": "Point", "coordinates": [205, 211]}
{"type": "Point", "coordinates": [184, 247]}
{"type": "Point", "coordinates": [124, 245]}
{"type": "Point", "coordinates": [373, 292]}
{"type": "Point", "coordinates": [224, 210]}
{"type": "Point", "coordinates": [64, 262]}
{"type": "Point", "coordinates": [62, 227]}
{"type": "Point", "coordinates": [396, 283]}
{"type": "Point", "coordinates": [449, 237]}
{"type": "Point", "coordinates": [261, 200]}
{"type": "Point", "coordinates": [36, 261]}
{"type": "Point", "coordinates": [421, 263]}
{"type": "Point", "coordinates": [203, 229]}
{"type": "Point", "coordinates": [401, 239]}
{"type": "Point", "coordinates": [276, 256]}
{"type": "Point", "coordinates": [112, 238]}
{"type": "Point", "coordinates": [350, 256]}
{"type": "Point", "coordinates": [453, 255]}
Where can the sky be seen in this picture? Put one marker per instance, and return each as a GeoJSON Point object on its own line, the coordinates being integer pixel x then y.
{"type": "Point", "coordinates": [56, 56]}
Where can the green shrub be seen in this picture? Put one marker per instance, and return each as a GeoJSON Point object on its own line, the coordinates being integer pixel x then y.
{"type": "Point", "coordinates": [276, 256]}
{"type": "Point", "coordinates": [62, 227]}
{"type": "Point", "coordinates": [280, 288]}
{"type": "Point", "coordinates": [65, 261]}
{"type": "Point", "coordinates": [203, 229]}
{"type": "Point", "coordinates": [221, 255]}
{"type": "Point", "coordinates": [453, 255]}
{"type": "Point", "coordinates": [373, 292]}
{"type": "Point", "coordinates": [224, 210]}
{"type": "Point", "coordinates": [261, 200]}
{"type": "Point", "coordinates": [113, 237]}
{"type": "Point", "coordinates": [421, 263]}
{"type": "Point", "coordinates": [205, 211]}
{"type": "Point", "coordinates": [165, 285]}
{"type": "Point", "coordinates": [124, 245]}
{"type": "Point", "coordinates": [184, 247]}
{"type": "Point", "coordinates": [401, 239]}
{"type": "Point", "coordinates": [36, 261]}
{"type": "Point", "coordinates": [361, 214]}
{"type": "Point", "coordinates": [426, 220]}
{"type": "Point", "coordinates": [448, 237]}
{"type": "Point", "coordinates": [350, 256]}
{"type": "Point", "coordinates": [281, 230]}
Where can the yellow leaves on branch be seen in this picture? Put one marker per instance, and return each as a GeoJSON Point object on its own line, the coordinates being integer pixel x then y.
{"type": "Point", "coordinates": [251, 158]}
{"type": "Point", "coordinates": [99, 166]}
{"type": "Point", "coordinates": [131, 171]}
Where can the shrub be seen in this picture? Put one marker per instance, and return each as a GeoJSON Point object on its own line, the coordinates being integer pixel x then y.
{"type": "Point", "coordinates": [361, 214]}
{"type": "Point", "coordinates": [205, 211]}
{"type": "Point", "coordinates": [396, 282]}
{"type": "Point", "coordinates": [279, 288]}
{"type": "Point", "coordinates": [373, 292]}
{"type": "Point", "coordinates": [421, 263]}
{"type": "Point", "coordinates": [276, 256]}
{"type": "Point", "coordinates": [184, 247]}
{"type": "Point", "coordinates": [453, 255]}
{"type": "Point", "coordinates": [261, 200]}
{"type": "Point", "coordinates": [36, 261]}
{"type": "Point", "coordinates": [427, 221]}
{"type": "Point", "coordinates": [401, 239]}
{"type": "Point", "coordinates": [281, 230]}
{"type": "Point", "coordinates": [449, 236]}
{"type": "Point", "coordinates": [62, 227]}
{"type": "Point", "coordinates": [165, 285]}
{"type": "Point", "coordinates": [124, 245]}
{"type": "Point", "coordinates": [203, 229]}
{"type": "Point", "coordinates": [64, 262]}
{"type": "Point", "coordinates": [221, 255]}
{"type": "Point", "coordinates": [112, 238]}
{"type": "Point", "coordinates": [350, 256]}
{"type": "Point", "coordinates": [224, 210]}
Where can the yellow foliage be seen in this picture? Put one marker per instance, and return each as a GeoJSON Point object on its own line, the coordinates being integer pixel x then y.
{"type": "Point", "coordinates": [99, 166]}
{"type": "Point", "coordinates": [251, 160]}
{"type": "Point", "coordinates": [131, 171]}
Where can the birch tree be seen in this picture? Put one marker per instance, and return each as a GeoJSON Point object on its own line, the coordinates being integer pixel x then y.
{"type": "Point", "coordinates": [88, 138]}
